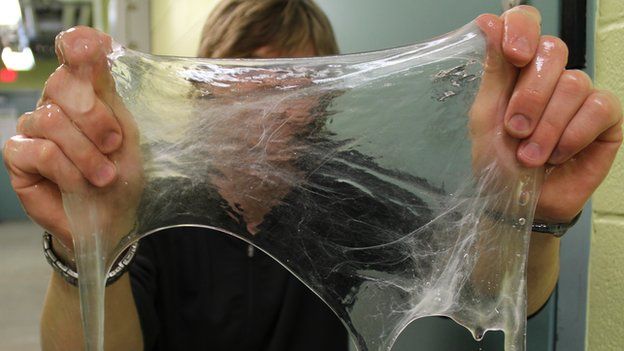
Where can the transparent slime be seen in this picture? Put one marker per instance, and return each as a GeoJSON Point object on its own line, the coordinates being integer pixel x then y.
{"type": "Point", "coordinates": [371, 177]}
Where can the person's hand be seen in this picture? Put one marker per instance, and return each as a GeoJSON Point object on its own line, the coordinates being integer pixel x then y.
{"type": "Point", "coordinates": [80, 141]}
{"type": "Point", "coordinates": [552, 116]}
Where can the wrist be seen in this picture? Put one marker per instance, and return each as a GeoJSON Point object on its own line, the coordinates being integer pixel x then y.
{"type": "Point", "coordinates": [557, 229]}
{"type": "Point", "coordinates": [62, 252]}
{"type": "Point", "coordinates": [70, 274]}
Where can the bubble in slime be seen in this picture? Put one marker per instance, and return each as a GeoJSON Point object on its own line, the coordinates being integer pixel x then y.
{"type": "Point", "coordinates": [369, 176]}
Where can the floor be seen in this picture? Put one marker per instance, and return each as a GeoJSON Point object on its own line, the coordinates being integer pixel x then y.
{"type": "Point", "coordinates": [24, 276]}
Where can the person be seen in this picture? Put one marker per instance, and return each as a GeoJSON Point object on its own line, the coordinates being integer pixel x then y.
{"type": "Point", "coordinates": [555, 114]}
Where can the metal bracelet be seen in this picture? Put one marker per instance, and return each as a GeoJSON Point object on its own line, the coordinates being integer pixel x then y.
{"type": "Point", "coordinates": [556, 229]}
{"type": "Point", "coordinates": [71, 276]}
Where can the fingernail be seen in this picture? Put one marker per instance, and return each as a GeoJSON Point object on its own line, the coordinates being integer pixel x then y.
{"type": "Point", "coordinates": [519, 123]}
{"type": "Point", "coordinates": [531, 150]}
{"type": "Point", "coordinates": [111, 141]}
{"type": "Point", "coordinates": [105, 173]}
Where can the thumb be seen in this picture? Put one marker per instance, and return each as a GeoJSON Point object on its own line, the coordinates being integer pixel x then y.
{"type": "Point", "coordinates": [489, 141]}
{"type": "Point", "coordinates": [498, 78]}
{"type": "Point", "coordinates": [84, 51]}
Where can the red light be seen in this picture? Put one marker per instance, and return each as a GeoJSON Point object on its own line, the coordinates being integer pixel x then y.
{"type": "Point", "coordinates": [7, 75]}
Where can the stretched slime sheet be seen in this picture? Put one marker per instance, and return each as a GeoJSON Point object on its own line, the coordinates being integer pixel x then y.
{"type": "Point", "coordinates": [372, 177]}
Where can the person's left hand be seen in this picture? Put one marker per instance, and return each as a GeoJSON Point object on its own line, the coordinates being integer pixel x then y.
{"type": "Point", "coordinates": [556, 117]}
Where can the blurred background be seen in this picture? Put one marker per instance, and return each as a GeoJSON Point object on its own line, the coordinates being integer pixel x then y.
{"type": "Point", "coordinates": [584, 313]}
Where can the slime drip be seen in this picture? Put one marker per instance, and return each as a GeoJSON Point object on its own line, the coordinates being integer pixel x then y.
{"type": "Point", "coordinates": [370, 177]}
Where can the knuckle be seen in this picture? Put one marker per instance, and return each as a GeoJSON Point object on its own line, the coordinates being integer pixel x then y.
{"type": "Point", "coordinates": [531, 99]}
{"type": "Point", "coordinates": [6, 155]}
{"type": "Point", "coordinates": [554, 45]}
{"type": "Point", "coordinates": [550, 126]}
{"type": "Point", "coordinates": [51, 119]}
{"type": "Point", "coordinates": [616, 105]}
{"type": "Point", "coordinates": [12, 145]}
{"type": "Point", "coordinates": [574, 82]}
{"type": "Point", "coordinates": [85, 157]}
{"type": "Point", "coordinates": [569, 141]}
{"type": "Point", "coordinates": [23, 122]}
{"type": "Point", "coordinates": [48, 153]}
{"type": "Point", "coordinates": [603, 106]}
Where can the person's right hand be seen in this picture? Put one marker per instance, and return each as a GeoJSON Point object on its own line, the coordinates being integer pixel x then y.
{"type": "Point", "coordinates": [531, 111]}
{"type": "Point", "coordinates": [79, 140]}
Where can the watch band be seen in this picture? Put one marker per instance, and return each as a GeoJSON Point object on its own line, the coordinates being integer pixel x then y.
{"type": "Point", "coordinates": [556, 229]}
{"type": "Point", "coordinates": [71, 276]}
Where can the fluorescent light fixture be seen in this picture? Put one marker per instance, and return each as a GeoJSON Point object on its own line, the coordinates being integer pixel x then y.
{"type": "Point", "coordinates": [11, 13]}
{"type": "Point", "coordinates": [18, 60]}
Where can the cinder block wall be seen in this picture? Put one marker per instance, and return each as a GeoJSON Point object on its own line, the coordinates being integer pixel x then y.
{"type": "Point", "coordinates": [606, 275]}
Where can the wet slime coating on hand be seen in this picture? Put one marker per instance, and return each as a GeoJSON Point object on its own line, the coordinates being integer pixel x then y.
{"type": "Point", "coordinates": [368, 176]}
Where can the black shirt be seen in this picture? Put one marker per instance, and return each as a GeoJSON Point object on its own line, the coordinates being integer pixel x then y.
{"type": "Point", "coordinates": [197, 289]}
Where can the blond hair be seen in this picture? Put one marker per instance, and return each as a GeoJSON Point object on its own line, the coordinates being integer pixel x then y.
{"type": "Point", "coordinates": [236, 28]}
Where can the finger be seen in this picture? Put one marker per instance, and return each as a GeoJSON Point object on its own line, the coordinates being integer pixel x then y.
{"type": "Point", "coordinates": [84, 51]}
{"type": "Point", "coordinates": [599, 119]}
{"type": "Point", "coordinates": [29, 159]}
{"type": "Point", "coordinates": [594, 163]}
{"type": "Point", "coordinates": [40, 197]}
{"type": "Point", "coordinates": [497, 79]}
{"type": "Point", "coordinates": [570, 93]}
{"type": "Point", "coordinates": [50, 122]}
{"type": "Point", "coordinates": [495, 66]}
{"type": "Point", "coordinates": [522, 27]}
{"type": "Point", "coordinates": [535, 86]}
{"type": "Point", "coordinates": [77, 98]}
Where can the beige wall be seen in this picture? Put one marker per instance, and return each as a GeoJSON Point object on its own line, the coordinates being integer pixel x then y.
{"type": "Point", "coordinates": [176, 27]}
{"type": "Point", "coordinates": [606, 276]}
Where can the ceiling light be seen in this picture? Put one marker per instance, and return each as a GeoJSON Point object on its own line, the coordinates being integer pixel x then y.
{"type": "Point", "coordinates": [18, 60]}
{"type": "Point", "coordinates": [11, 13]}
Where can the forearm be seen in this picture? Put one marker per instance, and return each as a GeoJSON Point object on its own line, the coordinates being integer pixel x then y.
{"type": "Point", "coordinates": [61, 327]}
{"type": "Point", "coordinates": [542, 270]}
